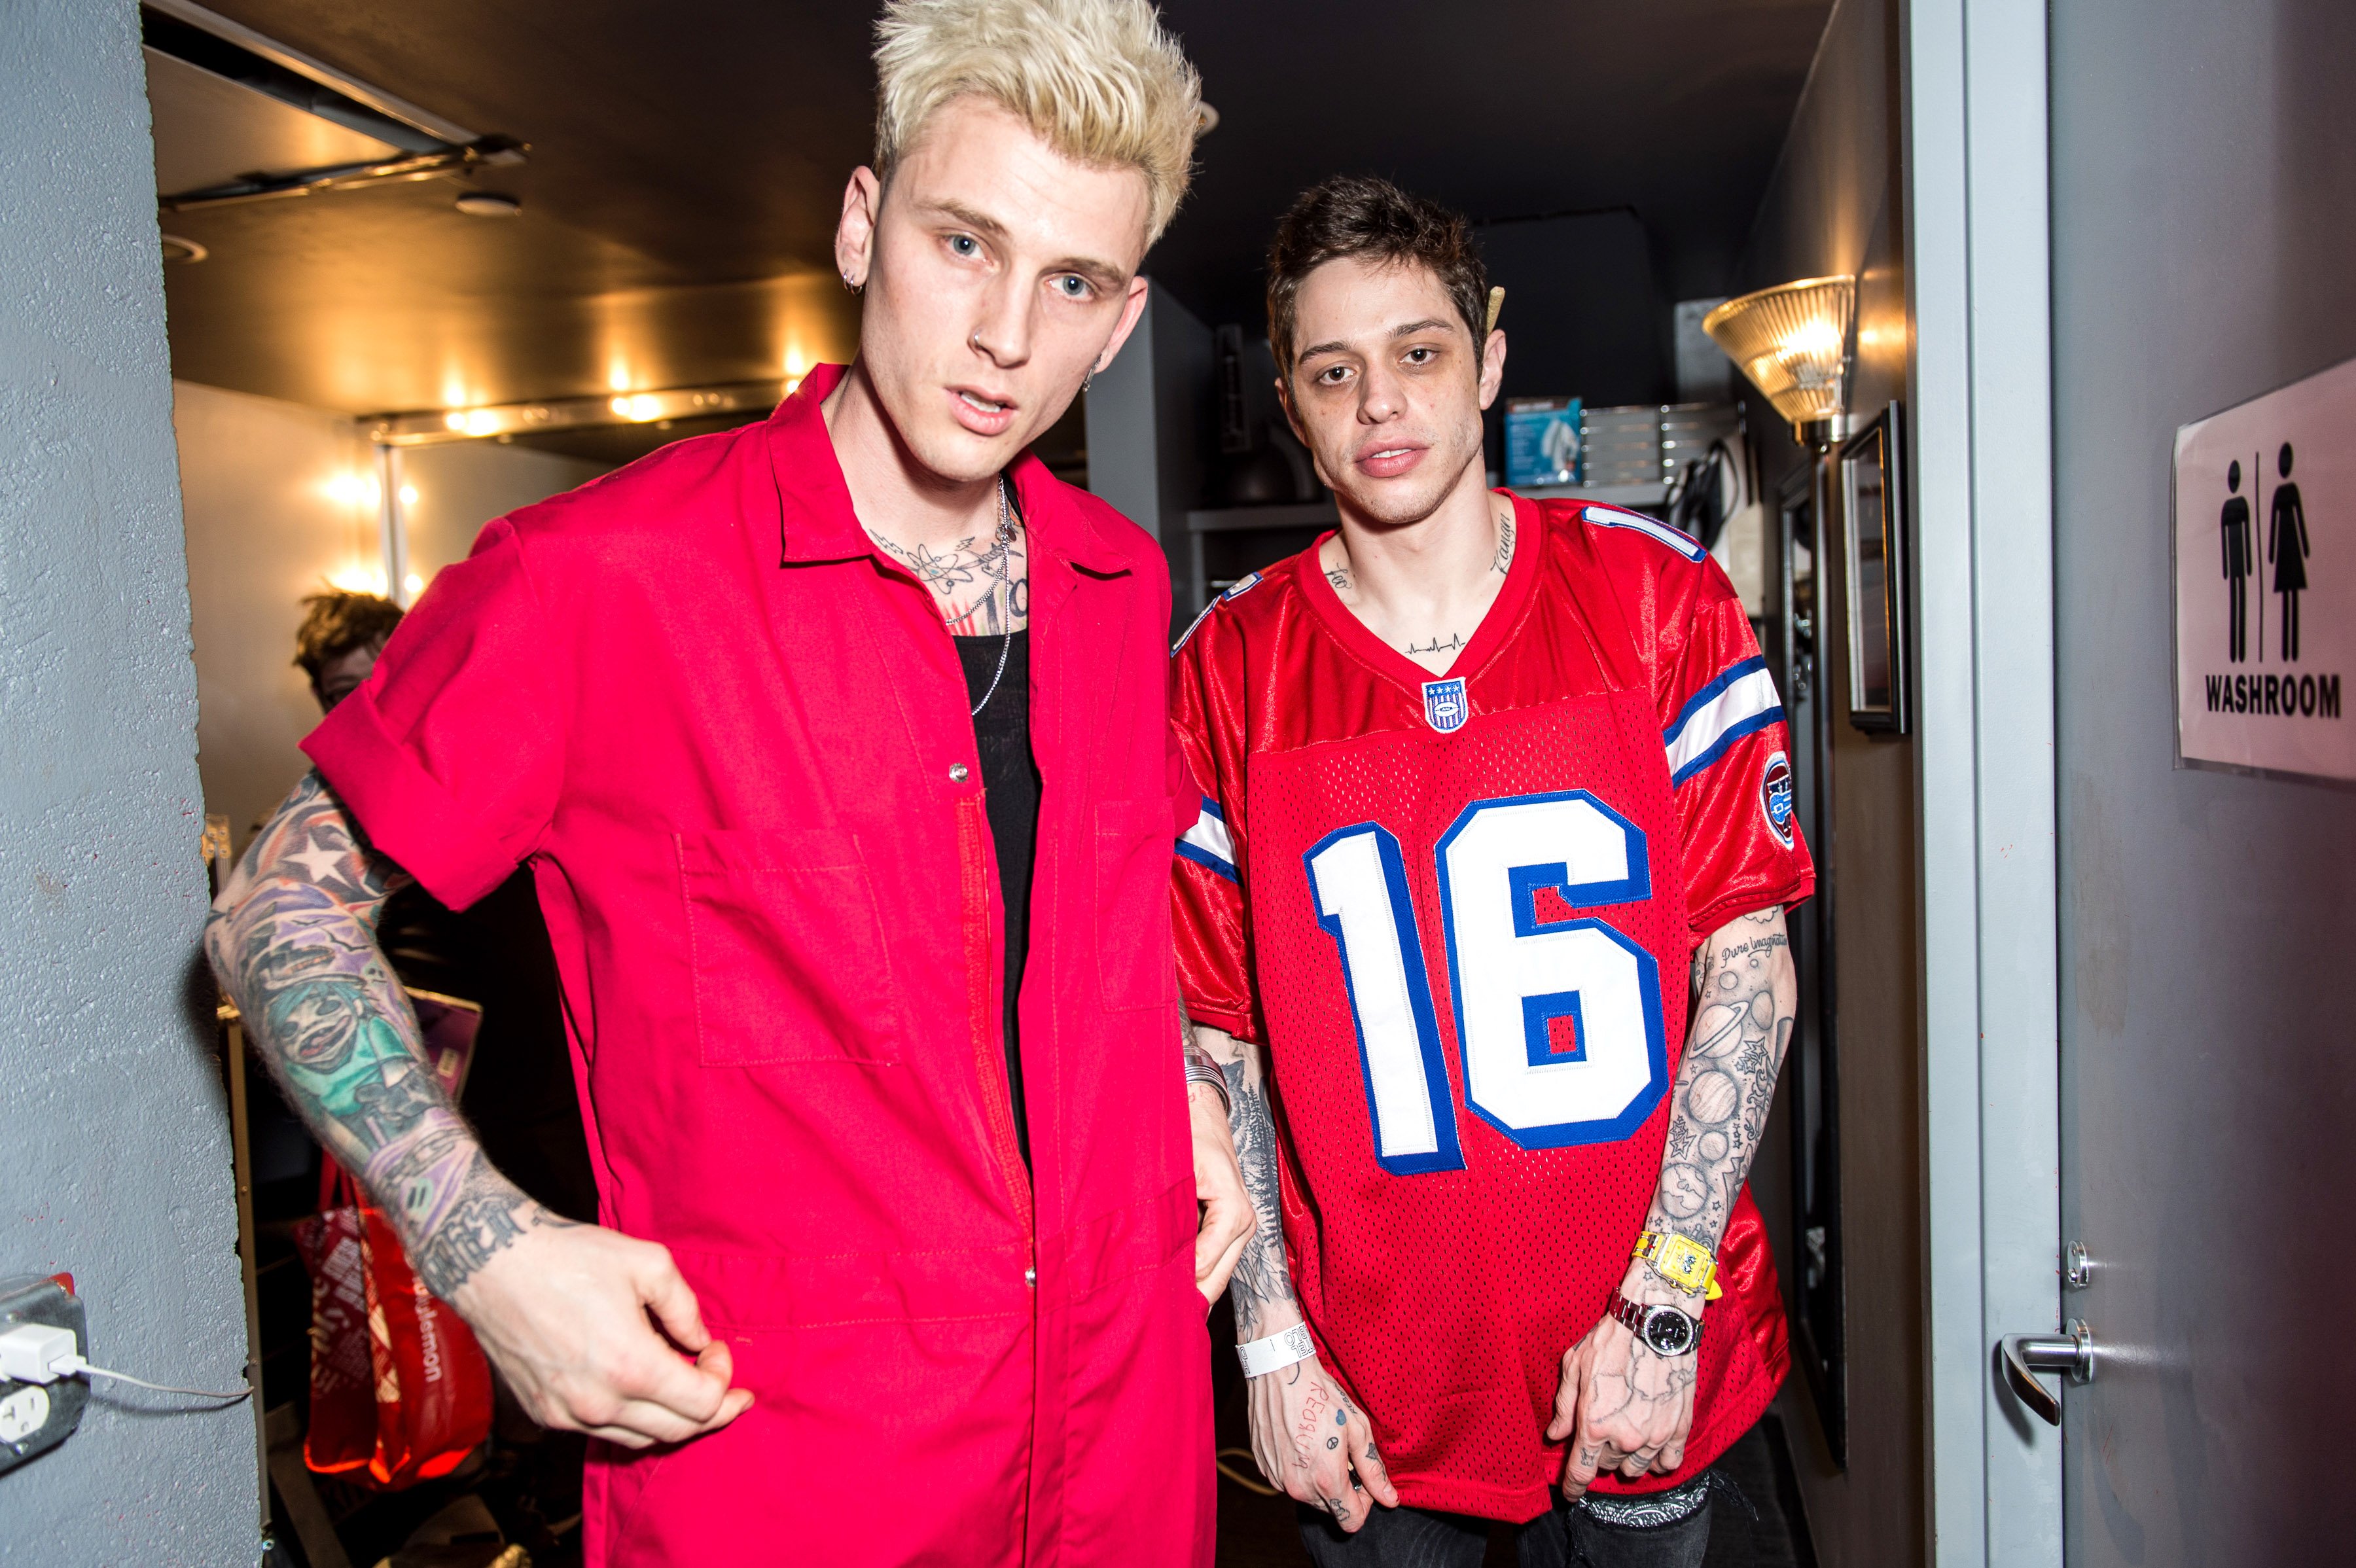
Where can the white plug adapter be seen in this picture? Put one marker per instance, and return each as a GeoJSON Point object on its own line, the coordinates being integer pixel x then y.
{"type": "Point", "coordinates": [37, 1353]}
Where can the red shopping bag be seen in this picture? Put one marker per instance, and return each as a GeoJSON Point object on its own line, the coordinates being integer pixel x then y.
{"type": "Point", "coordinates": [343, 1385]}
{"type": "Point", "coordinates": [398, 1384]}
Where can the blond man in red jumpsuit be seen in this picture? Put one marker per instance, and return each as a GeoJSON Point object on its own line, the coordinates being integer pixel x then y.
{"type": "Point", "coordinates": [871, 1285]}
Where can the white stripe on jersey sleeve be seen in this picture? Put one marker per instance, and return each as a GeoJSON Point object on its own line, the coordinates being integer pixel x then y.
{"type": "Point", "coordinates": [1241, 586]}
{"type": "Point", "coordinates": [1739, 700]}
{"type": "Point", "coordinates": [1209, 843]}
{"type": "Point", "coordinates": [1684, 543]}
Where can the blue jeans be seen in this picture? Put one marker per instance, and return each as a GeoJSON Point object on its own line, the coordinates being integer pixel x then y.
{"type": "Point", "coordinates": [1615, 1533]}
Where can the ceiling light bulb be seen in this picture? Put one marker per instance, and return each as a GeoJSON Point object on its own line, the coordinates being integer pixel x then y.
{"type": "Point", "coordinates": [489, 204]}
{"type": "Point", "coordinates": [408, 495]}
{"type": "Point", "coordinates": [412, 585]}
{"type": "Point", "coordinates": [456, 419]}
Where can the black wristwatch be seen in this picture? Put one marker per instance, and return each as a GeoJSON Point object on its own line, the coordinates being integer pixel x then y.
{"type": "Point", "coordinates": [1666, 1330]}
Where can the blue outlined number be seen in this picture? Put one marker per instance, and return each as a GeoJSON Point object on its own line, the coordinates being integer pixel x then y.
{"type": "Point", "coordinates": [1559, 1021]}
{"type": "Point", "coordinates": [1358, 880]}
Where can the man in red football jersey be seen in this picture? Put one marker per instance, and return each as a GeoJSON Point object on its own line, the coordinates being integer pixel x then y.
{"type": "Point", "coordinates": [1485, 775]}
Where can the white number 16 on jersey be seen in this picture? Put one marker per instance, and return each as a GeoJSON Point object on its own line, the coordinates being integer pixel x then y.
{"type": "Point", "coordinates": [1514, 981]}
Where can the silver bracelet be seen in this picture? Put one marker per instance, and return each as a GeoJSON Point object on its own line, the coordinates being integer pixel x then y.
{"type": "Point", "coordinates": [1203, 1072]}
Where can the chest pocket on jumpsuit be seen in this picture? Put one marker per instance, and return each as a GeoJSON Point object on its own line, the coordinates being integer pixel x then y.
{"type": "Point", "coordinates": [787, 949]}
{"type": "Point", "coordinates": [1136, 961]}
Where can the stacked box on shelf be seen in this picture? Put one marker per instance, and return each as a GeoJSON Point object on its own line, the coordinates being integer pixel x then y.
{"type": "Point", "coordinates": [1622, 446]}
{"type": "Point", "coordinates": [1688, 428]}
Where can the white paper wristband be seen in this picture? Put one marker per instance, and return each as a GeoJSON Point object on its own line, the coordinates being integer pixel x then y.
{"type": "Point", "coordinates": [1277, 1351]}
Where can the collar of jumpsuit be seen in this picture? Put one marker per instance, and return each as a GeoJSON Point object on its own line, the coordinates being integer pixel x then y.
{"type": "Point", "coordinates": [731, 739]}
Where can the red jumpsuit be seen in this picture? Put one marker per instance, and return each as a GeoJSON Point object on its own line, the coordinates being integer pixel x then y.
{"type": "Point", "coordinates": [731, 738]}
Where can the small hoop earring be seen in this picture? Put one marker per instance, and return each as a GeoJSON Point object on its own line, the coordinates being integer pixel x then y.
{"type": "Point", "coordinates": [848, 284]}
{"type": "Point", "coordinates": [1087, 378]}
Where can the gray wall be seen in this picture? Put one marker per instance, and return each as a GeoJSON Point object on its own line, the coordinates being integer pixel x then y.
{"type": "Point", "coordinates": [114, 1144]}
{"type": "Point", "coordinates": [462, 485]}
{"type": "Point", "coordinates": [265, 525]}
{"type": "Point", "coordinates": [280, 499]}
{"type": "Point", "coordinates": [1144, 415]}
{"type": "Point", "coordinates": [1833, 206]}
{"type": "Point", "coordinates": [2204, 218]}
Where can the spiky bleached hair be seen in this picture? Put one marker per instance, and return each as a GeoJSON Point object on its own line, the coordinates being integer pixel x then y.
{"type": "Point", "coordinates": [1099, 81]}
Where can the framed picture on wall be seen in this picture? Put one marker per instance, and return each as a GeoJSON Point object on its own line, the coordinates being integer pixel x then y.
{"type": "Point", "coordinates": [1873, 539]}
{"type": "Point", "coordinates": [1811, 1259]}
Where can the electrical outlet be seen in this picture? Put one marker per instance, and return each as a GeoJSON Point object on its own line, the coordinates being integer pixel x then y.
{"type": "Point", "coordinates": [23, 1413]}
{"type": "Point", "coordinates": [35, 1417]}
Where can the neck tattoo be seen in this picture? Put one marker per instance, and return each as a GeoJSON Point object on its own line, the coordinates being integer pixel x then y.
{"type": "Point", "coordinates": [1500, 564]}
{"type": "Point", "coordinates": [996, 570]}
{"type": "Point", "coordinates": [980, 588]}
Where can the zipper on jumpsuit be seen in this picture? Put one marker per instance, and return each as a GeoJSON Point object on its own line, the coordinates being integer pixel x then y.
{"type": "Point", "coordinates": [985, 967]}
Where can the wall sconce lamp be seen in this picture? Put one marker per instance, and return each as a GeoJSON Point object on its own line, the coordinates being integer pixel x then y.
{"type": "Point", "coordinates": [1791, 342]}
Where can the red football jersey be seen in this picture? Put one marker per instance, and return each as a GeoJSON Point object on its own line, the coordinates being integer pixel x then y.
{"type": "Point", "coordinates": [1458, 911]}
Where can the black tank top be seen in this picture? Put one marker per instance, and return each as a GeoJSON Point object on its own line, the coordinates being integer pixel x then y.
{"type": "Point", "coordinates": [1010, 778]}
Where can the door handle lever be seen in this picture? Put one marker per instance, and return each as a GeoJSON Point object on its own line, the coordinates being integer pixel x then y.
{"type": "Point", "coordinates": [2026, 1355]}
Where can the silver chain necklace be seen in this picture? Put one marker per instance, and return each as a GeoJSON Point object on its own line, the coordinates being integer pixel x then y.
{"type": "Point", "coordinates": [1006, 645]}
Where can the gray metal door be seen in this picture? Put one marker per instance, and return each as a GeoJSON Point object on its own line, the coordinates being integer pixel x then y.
{"type": "Point", "coordinates": [2204, 215]}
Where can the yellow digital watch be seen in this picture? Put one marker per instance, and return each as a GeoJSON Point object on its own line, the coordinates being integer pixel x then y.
{"type": "Point", "coordinates": [1682, 1261]}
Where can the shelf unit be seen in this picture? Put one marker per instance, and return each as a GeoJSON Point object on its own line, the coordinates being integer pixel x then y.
{"type": "Point", "coordinates": [1635, 497]}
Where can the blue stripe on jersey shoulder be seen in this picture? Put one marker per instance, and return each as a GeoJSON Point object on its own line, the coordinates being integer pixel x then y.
{"type": "Point", "coordinates": [1750, 724]}
{"type": "Point", "coordinates": [1708, 694]}
{"type": "Point", "coordinates": [1203, 857]}
{"type": "Point", "coordinates": [1209, 843]}
{"type": "Point", "coordinates": [1659, 533]}
{"type": "Point", "coordinates": [1243, 585]}
{"type": "Point", "coordinates": [1742, 701]}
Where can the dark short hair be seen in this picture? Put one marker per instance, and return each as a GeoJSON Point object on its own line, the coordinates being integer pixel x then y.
{"type": "Point", "coordinates": [335, 623]}
{"type": "Point", "coordinates": [1357, 215]}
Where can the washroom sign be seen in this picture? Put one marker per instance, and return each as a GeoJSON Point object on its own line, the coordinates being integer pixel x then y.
{"type": "Point", "coordinates": [2265, 581]}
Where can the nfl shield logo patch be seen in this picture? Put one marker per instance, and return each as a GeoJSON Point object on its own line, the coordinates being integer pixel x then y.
{"type": "Point", "coordinates": [1445, 708]}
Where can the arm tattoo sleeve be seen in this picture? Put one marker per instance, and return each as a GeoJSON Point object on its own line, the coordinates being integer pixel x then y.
{"type": "Point", "coordinates": [293, 938]}
{"type": "Point", "coordinates": [1742, 1017]}
{"type": "Point", "coordinates": [1263, 1278]}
